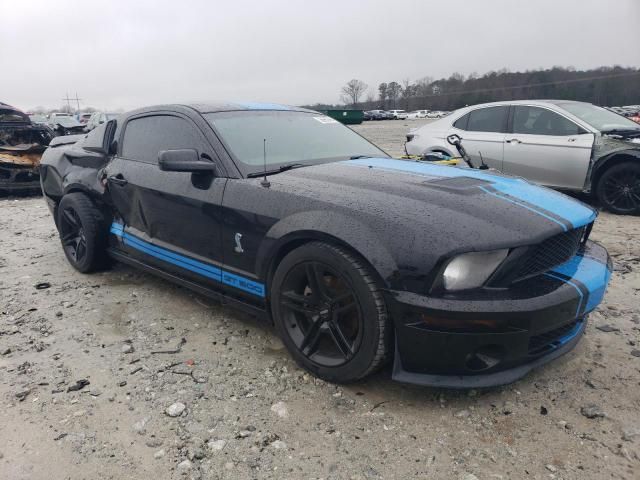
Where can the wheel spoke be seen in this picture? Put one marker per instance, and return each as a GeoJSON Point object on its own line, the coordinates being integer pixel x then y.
{"type": "Point", "coordinates": [81, 248]}
{"type": "Point", "coordinates": [340, 340]}
{"type": "Point", "coordinates": [297, 302]}
{"type": "Point", "coordinates": [311, 338]}
{"type": "Point", "coordinates": [69, 238]}
{"type": "Point", "coordinates": [315, 277]}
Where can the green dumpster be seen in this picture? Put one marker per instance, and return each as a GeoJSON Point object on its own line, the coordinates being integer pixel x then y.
{"type": "Point", "coordinates": [348, 117]}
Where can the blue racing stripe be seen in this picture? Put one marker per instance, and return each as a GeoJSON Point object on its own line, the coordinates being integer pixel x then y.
{"type": "Point", "coordinates": [538, 198]}
{"type": "Point", "coordinates": [589, 272]}
{"type": "Point", "coordinates": [564, 227]}
{"type": "Point", "coordinates": [577, 289]}
{"type": "Point", "coordinates": [206, 270]}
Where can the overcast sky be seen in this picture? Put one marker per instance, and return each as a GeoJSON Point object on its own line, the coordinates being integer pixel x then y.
{"type": "Point", "coordinates": [125, 54]}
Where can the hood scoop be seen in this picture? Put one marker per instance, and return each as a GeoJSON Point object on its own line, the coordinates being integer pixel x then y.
{"type": "Point", "coordinates": [466, 185]}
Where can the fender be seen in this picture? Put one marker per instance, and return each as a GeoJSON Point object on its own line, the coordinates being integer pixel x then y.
{"type": "Point", "coordinates": [318, 225]}
{"type": "Point", "coordinates": [601, 163]}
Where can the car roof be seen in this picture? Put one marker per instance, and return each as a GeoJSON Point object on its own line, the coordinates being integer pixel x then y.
{"type": "Point", "coordinates": [526, 102]}
{"type": "Point", "coordinates": [215, 107]}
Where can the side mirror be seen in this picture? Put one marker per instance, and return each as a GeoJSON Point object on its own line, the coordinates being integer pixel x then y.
{"type": "Point", "coordinates": [454, 140]}
{"type": "Point", "coordinates": [184, 160]}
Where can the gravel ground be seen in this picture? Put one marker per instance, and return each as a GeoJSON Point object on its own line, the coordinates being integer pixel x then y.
{"type": "Point", "coordinates": [87, 391]}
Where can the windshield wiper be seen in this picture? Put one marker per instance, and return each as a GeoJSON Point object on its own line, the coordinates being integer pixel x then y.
{"type": "Point", "coordinates": [355, 157]}
{"type": "Point", "coordinates": [280, 169]}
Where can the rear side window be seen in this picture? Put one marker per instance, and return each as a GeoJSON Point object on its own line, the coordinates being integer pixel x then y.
{"type": "Point", "coordinates": [461, 123]}
{"type": "Point", "coordinates": [490, 119]}
{"type": "Point", "coordinates": [540, 121]}
{"type": "Point", "coordinates": [145, 137]}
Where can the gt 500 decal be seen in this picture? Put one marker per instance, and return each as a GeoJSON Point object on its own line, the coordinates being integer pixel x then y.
{"type": "Point", "coordinates": [210, 271]}
{"type": "Point", "coordinates": [243, 283]}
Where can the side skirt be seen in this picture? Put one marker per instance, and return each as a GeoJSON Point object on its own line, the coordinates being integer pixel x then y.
{"type": "Point", "coordinates": [258, 312]}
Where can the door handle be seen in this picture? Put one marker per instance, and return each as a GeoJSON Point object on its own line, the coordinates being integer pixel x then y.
{"type": "Point", "coordinates": [513, 140]}
{"type": "Point", "coordinates": [571, 140]}
{"type": "Point", "coordinates": [118, 179]}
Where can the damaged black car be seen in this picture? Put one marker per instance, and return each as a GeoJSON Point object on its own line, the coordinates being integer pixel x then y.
{"type": "Point", "coordinates": [21, 146]}
{"type": "Point", "coordinates": [460, 277]}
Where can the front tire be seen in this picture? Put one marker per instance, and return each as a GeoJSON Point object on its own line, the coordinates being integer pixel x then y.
{"type": "Point", "coordinates": [618, 189]}
{"type": "Point", "coordinates": [330, 313]}
{"type": "Point", "coordinates": [83, 233]}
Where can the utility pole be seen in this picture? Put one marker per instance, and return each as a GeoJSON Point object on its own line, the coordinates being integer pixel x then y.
{"type": "Point", "coordinates": [78, 101]}
{"type": "Point", "coordinates": [68, 100]}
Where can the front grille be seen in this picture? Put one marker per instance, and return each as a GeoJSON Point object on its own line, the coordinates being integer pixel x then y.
{"type": "Point", "coordinates": [554, 338]}
{"type": "Point", "coordinates": [551, 252]}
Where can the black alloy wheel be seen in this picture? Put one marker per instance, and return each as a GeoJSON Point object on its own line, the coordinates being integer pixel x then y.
{"type": "Point", "coordinates": [321, 313]}
{"type": "Point", "coordinates": [619, 188]}
{"type": "Point", "coordinates": [83, 232]}
{"type": "Point", "coordinates": [72, 235]}
{"type": "Point", "coordinates": [329, 310]}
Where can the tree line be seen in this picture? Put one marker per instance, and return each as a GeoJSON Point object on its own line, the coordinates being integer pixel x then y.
{"type": "Point", "coordinates": [607, 86]}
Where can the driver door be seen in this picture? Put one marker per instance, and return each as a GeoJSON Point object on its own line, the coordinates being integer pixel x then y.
{"type": "Point", "coordinates": [547, 148]}
{"type": "Point", "coordinates": [170, 220]}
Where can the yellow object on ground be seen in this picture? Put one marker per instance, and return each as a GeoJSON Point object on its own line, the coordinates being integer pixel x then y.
{"type": "Point", "coordinates": [451, 161]}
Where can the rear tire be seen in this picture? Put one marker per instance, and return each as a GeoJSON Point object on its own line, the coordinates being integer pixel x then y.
{"type": "Point", "coordinates": [83, 232]}
{"type": "Point", "coordinates": [618, 189]}
{"type": "Point", "coordinates": [330, 313]}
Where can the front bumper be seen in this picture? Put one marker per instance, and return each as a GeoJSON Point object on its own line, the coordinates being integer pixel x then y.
{"type": "Point", "coordinates": [494, 337]}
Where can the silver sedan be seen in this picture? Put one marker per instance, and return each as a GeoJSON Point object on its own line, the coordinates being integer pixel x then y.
{"type": "Point", "coordinates": [562, 144]}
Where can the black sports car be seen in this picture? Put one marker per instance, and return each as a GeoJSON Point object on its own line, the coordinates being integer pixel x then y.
{"type": "Point", "coordinates": [463, 277]}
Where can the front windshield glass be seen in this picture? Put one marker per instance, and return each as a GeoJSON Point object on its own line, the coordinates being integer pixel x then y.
{"type": "Point", "coordinates": [599, 118]}
{"type": "Point", "coordinates": [291, 137]}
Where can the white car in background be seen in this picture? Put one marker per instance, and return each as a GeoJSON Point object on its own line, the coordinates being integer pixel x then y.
{"type": "Point", "coordinates": [563, 144]}
{"type": "Point", "coordinates": [398, 114]}
{"type": "Point", "coordinates": [417, 114]}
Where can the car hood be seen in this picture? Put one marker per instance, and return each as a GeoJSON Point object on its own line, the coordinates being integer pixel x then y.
{"type": "Point", "coordinates": [456, 209]}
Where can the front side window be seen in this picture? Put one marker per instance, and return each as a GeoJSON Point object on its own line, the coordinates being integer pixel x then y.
{"type": "Point", "coordinates": [288, 137]}
{"type": "Point", "coordinates": [540, 121]}
{"type": "Point", "coordinates": [490, 119]}
{"type": "Point", "coordinates": [145, 137]}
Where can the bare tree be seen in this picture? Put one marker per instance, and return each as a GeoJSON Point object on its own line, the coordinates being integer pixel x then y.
{"type": "Point", "coordinates": [382, 89]}
{"type": "Point", "coordinates": [352, 91]}
{"type": "Point", "coordinates": [393, 92]}
{"type": "Point", "coordinates": [408, 92]}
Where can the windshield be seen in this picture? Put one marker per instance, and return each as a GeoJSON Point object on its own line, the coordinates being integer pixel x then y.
{"type": "Point", "coordinates": [291, 137]}
{"type": "Point", "coordinates": [599, 118]}
{"type": "Point", "coordinates": [67, 121]}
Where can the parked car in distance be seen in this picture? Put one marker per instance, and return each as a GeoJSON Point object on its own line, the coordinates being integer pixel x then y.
{"type": "Point", "coordinates": [377, 115]}
{"type": "Point", "coordinates": [98, 118]}
{"type": "Point", "coordinates": [464, 278]}
{"type": "Point", "coordinates": [417, 114]}
{"type": "Point", "coordinates": [21, 145]}
{"type": "Point", "coordinates": [83, 117]}
{"type": "Point", "coordinates": [563, 144]}
{"type": "Point", "coordinates": [65, 124]}
{"type": "Point", "coordinates": [398, 114]}
{"type": "Point", "coordinates": [38, 119]}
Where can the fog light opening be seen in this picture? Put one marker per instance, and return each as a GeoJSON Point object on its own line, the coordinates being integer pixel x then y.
{"type": "Point", "coordinates": [485, 358]}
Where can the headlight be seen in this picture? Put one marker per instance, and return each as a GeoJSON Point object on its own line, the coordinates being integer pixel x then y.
{"type": "Point", "coordinates": [471, 270]}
